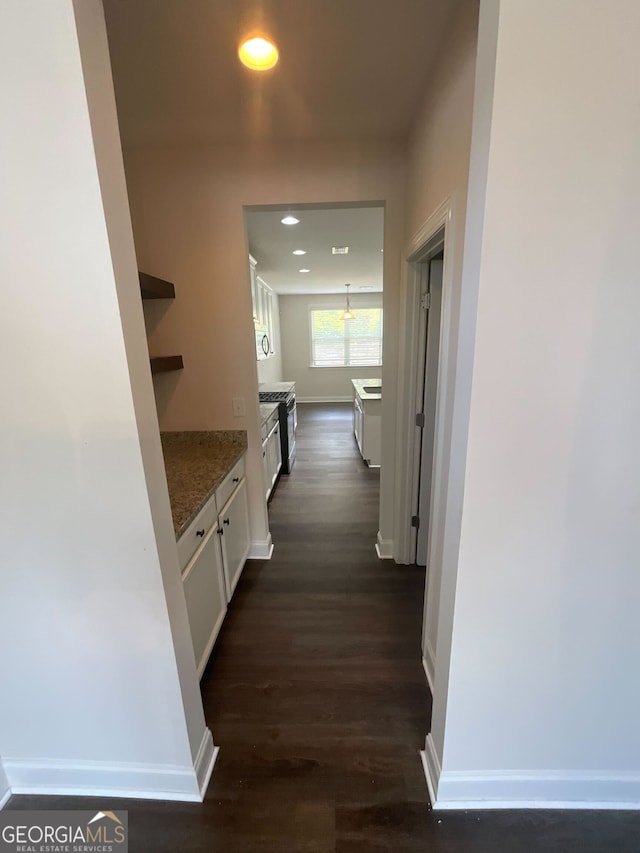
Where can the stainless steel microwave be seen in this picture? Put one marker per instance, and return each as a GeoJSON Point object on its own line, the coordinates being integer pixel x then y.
{"type": "Point", "coordinates": [263, 344]}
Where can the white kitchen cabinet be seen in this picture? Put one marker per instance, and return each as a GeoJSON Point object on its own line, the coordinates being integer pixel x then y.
{"type": "Point", "coordinates": [212, 553]}
{"type": "Point", "coordinates": [206, 596]}
{"type": "Point", "coordinates": [233, 522]}
{"type": "Point", "coordinates": [367, 420]}
{"type": "Point", "coordinates": [274, 457]}
{"type": "Point", "coordinates": [271, 451]}
{"type": "Point", "coordinates": [262, 300]}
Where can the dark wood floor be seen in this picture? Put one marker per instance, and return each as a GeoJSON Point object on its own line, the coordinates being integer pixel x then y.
{"type": "Point", "coordinates": [316, 695]}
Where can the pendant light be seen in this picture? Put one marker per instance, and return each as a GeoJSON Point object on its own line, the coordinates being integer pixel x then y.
{"type": "Point", "coordinates": [348, 313]}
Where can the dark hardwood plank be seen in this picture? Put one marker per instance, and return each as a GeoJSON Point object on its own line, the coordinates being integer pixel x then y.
{"type": "Point", "coordinates": [316, 695]}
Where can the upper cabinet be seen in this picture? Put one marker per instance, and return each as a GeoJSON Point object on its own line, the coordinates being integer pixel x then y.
{"type": "Point", "coordinates": [262, 300]}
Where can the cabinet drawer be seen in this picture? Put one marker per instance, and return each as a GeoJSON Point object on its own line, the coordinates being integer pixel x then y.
{"type": "Point", "coordinates": [230, 482]}
{"type": "Point", "coordinates": [195, 533]}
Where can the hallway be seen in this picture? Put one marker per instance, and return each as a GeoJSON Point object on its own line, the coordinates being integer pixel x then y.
{"type": "Point", "coordinates": [317, 699]}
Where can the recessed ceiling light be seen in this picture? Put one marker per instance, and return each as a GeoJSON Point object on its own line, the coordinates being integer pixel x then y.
{"type": "Point", "coordinates": [299, 252]}
{"type": "Point", "coordinates": [258, 53]}
{"type": "Point", "coordinates": [339, 250]}
{"type": "Point", "coordinates": [304, 270]}
{"type": "Point", "coordinates": [289, 220]}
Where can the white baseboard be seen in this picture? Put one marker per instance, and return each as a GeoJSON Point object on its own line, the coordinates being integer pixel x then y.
{"type": "Point", "coordinates": [432, 768]}
{"type": "Point", "coordinates": [384, 548]}
{"type": "Point", "coordinates": [5, 790]}
{"type": "Point", "coordinates": [205, 761]}
{"type": "Point", "coordinates": [527, 789]}
{"type": "Point", "coordinates": [103, 779]}
{"type": "Point", "coordinates": [324, 399]}
{"type": "Point", "coordinates": [429, 669]}
{"type": "Point", "coordinates": [261, 549]}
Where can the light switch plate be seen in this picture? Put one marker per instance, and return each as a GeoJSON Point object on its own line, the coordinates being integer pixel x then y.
{"type": "Point", "coordinates": [239, 408]}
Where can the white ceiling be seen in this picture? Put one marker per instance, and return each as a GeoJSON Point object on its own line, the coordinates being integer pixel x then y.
{"type": "Point", "coordinates": [348, 69]}
{"type": "Point", "coordinates": [271, 243]}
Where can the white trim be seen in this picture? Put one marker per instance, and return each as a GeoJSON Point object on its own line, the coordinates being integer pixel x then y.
{"type": "Point", "coordinates": [333, 399]}
{"type": "Point", "coordinates": [519, 789]}
{"type": "Point", "coordinates": [205, 761]}
{"type": "Point", "coordinates": [106, 779]}
{"type": "Point", "coordinates": [261, 549]}
{"type": "Point", "coordinates": [5, 790]}
{"type": "Point", "coordinates": [384, 547]}
{"type": "Point", "coordinates": [416, 248]}
{"type": "Point", "coordinates": [432, 768]}
{"type": "Point", "coordinates": [428, 664]}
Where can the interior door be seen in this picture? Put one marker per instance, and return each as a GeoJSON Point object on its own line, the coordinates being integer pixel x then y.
{"type": "Point", "coordinates": [432, 355]}
{"type": "Point", "coordinates": [432, 348]}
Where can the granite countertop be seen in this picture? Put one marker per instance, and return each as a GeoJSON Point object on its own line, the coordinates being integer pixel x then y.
{"type": "Point", "coordinates": [361, 384]}
{"type": "Point", "coordinates": [266, 410]}
{"type": "Point", "coordinates": [276, 386]}
{"type": "Point", "coordinates": [196, 463]}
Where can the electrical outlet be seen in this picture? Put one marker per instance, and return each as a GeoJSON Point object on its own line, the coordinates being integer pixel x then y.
{"type": "Point", "coordinates": [239, 408]}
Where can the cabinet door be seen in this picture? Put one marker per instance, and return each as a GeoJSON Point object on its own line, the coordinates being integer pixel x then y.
{"type": "Point", "coordinates": [277, 452]}
{"type": "Point", "coordinates": [358, 423]}
{"type": "Point", "coordinates": [265, 467]}
{"type": "Point", "coordinates": [205, 594]}
{"type": "Point", "coordinates": [274, 457]}
{"type": "Point", "coordinates": [234, 525]}
{"type": "Point", "coordinates": [254, 293]}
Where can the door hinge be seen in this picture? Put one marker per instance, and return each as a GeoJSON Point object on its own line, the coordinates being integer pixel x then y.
{"type": "Point", "coordinates": [425, 300]}
{"type": "Point", "coordinates": [415, 521]}
{"type": "Point", "coordinates": [420, 420]}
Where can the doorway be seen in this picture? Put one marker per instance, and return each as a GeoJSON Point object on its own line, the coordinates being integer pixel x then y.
{"type": "Point", "coordinates": [427, 298]}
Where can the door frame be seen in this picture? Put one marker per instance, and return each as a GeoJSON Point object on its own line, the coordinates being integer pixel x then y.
{"type": "Point", "coordinates": [425, 242]}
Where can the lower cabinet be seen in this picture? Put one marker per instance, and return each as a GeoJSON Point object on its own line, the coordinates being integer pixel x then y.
{"type": "Point", "coordinates": [206, 597]}
{"type": "Point", "coordinates": [213, 567]}
{"type": "Point", "coordinates": [233, 523]}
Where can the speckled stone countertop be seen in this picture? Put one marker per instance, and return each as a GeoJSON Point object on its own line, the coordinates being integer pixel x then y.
{"type": "Point", "coordinates": [196, 463]}
{"type": "Point", "coordinates": [361, 384]}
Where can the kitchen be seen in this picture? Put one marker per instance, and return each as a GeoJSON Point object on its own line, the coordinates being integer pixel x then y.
{"type": "Point", "coordinates": [308, 268]}
{"type": "Point", "coordinates": [313, 331]}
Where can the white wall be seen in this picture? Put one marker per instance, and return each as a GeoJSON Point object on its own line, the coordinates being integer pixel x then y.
{"type": "Point", "coordinates": [319, 384]}
{"type": "Point", "coordinates": [270, 369]}
{"type": "Point", "coordinates": [438, 169]}
{"type": "Point", "coordinates": [187, 210]}
{"type": "Point", "coordinates": [544, 693]}
{"type": "Point", "coordinates": [105, 697]}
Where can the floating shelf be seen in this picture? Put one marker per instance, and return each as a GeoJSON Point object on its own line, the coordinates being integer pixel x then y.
{"type": "Point", "coordinates": [155, 288]}
{"type": "Point", "coordinates": [166, 363]}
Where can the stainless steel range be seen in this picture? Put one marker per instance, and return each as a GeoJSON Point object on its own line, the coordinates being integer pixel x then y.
{"type": "Point", "coordinates": [283, 393]}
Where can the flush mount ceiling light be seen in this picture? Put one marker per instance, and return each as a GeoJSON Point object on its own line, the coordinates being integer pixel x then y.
{"type": "Point", "coordinates": [289, 220]}
{"type": "Point", "coordinates": [348, 314]}
{"type": "Point", "coordinates": [339, 250]}
{"type": "Point", "coordinates": [299, 252]}
{"type": "Point", "coordinates": [304, 270]}
{"type": "Point", "coordinates": [258, 53]}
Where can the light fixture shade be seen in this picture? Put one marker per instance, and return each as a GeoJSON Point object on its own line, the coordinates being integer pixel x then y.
{"type": "Point", "coordinates": [258, 54]}
{"type": "Point", "coordinates": [348, 314]}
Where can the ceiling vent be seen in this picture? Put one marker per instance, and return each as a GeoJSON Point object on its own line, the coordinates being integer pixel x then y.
{"type": "Point", "coordinates": [339, 250]}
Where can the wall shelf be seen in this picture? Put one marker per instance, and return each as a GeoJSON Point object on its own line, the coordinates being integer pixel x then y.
{"type": "Point", "coordinates": [166, 363]}
{"type": "Point", "coordinates": [152, 287]}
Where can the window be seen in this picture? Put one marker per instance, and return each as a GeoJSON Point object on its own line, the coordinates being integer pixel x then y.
{"type": "Point", "coordinates": [346, 343]}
